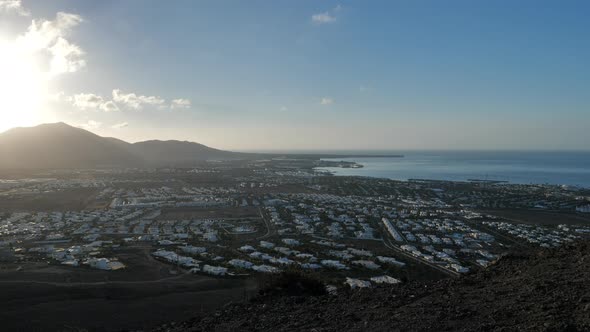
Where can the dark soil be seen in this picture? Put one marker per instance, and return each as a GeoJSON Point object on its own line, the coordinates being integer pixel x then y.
{"type": "Point", "coordinates": [540, 217]}
{"type": "Point", "coordinates": [545, 290]}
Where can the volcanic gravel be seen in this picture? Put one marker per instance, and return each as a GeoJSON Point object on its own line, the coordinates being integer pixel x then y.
{"type": "Point", "coordinates": [544, 290]}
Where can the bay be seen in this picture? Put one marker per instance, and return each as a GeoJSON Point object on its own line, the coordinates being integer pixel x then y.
{"type": "Point", "coordinates": [524, 167]}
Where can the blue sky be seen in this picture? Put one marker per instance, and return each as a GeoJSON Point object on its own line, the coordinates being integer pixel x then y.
{"type": "Point", "coordinates": [330, 74]}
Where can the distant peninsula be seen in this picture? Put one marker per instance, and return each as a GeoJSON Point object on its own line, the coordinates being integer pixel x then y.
{"type": "Point", "coordinates": [341, 164]}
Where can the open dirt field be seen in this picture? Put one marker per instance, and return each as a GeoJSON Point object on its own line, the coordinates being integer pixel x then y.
{"type": "Point", "coordinates": [111, 306]}
{"type": "Point", "coordinates": [540, 217]}
{"type": "Point", "coordinates": [192, 213]}
{"type": "Point", "coordinates": [64, 200]}
{"type": "Point", "coordinates": [42, 297]}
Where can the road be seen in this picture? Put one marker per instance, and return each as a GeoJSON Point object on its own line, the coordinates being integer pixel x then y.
{"type": "Point", "coordinates": [495, 233]}
{"type": "Point", "coordinates": [267, 224]}
{"type": "Point", "coordinates": [387, 242]}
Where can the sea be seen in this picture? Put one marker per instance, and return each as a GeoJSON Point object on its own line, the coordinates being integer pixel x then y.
{"type": "Point", "coordinates": [523, 167]}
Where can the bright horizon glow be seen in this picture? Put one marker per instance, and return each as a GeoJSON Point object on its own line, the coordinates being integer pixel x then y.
{"type": "Point", "coordinates": [324, 150]}
{"type": "Point", "coordinates": [23, 88]}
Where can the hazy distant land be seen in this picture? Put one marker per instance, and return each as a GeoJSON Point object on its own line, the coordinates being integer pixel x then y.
{"type": "Point", "coordinates": [59, 145]}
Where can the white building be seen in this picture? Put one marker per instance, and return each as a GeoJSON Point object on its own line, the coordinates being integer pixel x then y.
{"type": "Point", "coordinates": [385, 280]}
{"type": "Point", "coordinates": [392, 231]}
{"type": "Point", "coordinates": [215, 270]}
{"type": "Point", "coordinates": [334, 264]}
{"type": "Point", "coordinates": [357, 283]}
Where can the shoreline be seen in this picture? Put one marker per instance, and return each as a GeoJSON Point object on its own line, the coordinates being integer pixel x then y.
{"type": "Point", "coordinates": [334, 172]}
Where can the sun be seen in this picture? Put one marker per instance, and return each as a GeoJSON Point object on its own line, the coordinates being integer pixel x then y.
{"type": "Point", "coordinates": [23, 87]}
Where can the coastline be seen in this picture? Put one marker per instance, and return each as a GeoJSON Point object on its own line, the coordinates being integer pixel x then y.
{"type": "Point", "coordinates": [571, 169]}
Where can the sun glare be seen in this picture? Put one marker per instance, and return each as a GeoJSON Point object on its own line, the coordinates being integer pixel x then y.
{"type": "Point", "coordinates": [23, 88]}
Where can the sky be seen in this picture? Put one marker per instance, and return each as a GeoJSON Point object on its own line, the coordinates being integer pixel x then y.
{"type": "Point", "coordinates": [303, 75]}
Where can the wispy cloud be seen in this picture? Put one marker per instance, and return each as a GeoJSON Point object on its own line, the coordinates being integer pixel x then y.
{"type": "Point", "coordinates": [14, 6]}
{"type": "Point", "coordinates": [90, 101]}
{"type": "Point", "coordinates": [326, 17]}
{"type": "Point", "coordinates": [283, 109]}
{"type": "Point", "coordinates": [84, 101]}
{"type": "Point", "coordinates": [136, 102]}
{"type": "Point", "coordinates": [90, 125]}
{"type": "Point", "coordinates": [120, 125]}
{"type": "Point", "coordinates": [109, 106]}
{"type": "Point", "coordinates": [180, 103]}
{"type": "Point", "coordinates": [326, 101]}
{"type": "Point", "coordinates": [323, 18]}
{"type": "Point", "coordinates": [130, 101]}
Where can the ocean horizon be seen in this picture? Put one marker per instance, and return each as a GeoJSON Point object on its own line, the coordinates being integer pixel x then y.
{"type": "Point", "coordinates": [522, 167]}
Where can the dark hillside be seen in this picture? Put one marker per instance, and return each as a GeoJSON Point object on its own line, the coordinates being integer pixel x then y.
{"type": "Point", "coordinates": [546, 290]}
{"type": "Point", "coordinates": [166, 153]}
{"type": "Point", "coordinates": [59, 145]}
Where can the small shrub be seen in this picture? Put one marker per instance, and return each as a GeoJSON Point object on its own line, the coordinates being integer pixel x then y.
{"type": "Point", "coordinates": [291, 284]}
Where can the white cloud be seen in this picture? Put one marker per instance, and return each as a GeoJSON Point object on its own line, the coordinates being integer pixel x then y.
{"type": "Point", "coordinates": [326, 101]}
{"type": "Point", "coordinates": [364, 88]}
{"type": "Point", "coordinates": [13, 6]}
{"type": "Point", "coordinates": [326, 17]}
{"type": "Point", "coordinates": [67, 57]}
{"type": "Point", "coordinates": [91, 101]}
{"type": "Point", "coordinates": [90, 125]}
{"type": "Point", "coordinates": [109, 106]}
{"type": "Point", "coordinates": [32, 59]}
{"type": "Point", "coordinates": [86, 101]}
{"type": "Point", "coordinates": [180, 103]}
{"type": "Point", "coordinates": [323, 18]}
{"type": "Point", "coordinates": [44, 51]}
{"type": "Point", "coordinates": [136, 102]}
{"type": "Point", "coordinates": [49, 37]}
{"type": "Point", "coordinates": [283, 109]}
{"type": "Point", "coordinates": [120, 125]}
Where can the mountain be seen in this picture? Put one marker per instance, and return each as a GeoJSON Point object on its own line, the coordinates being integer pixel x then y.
{"type": "Point", "coordinates": [180, 152]}
{"type": "Point", "coordinates": [59, 145]}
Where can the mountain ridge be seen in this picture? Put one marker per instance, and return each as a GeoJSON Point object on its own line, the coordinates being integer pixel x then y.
{"type": "Point", "coordinates": [59, 145]}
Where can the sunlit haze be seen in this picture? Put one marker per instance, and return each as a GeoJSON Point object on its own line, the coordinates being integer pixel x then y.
{"type": "Point", "coordinates": [302, 75]}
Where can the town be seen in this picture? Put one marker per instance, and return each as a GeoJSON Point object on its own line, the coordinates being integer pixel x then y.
{"type": "Point", "coordinates": [230, 220]}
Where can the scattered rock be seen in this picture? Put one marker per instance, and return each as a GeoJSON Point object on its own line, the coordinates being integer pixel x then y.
{"type": "Point", "coordinates": [521, 292]}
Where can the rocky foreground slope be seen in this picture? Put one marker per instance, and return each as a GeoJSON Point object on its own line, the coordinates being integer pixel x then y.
{"type": "Point", "coordinates": [546, 290]}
